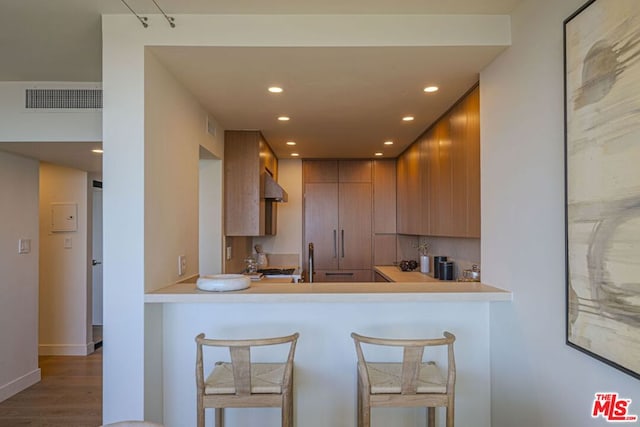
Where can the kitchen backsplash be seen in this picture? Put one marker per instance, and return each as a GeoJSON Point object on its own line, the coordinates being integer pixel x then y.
{"type": "Point", "coordinates": [463, 251]}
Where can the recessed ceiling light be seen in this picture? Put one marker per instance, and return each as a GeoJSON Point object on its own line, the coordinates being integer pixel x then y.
{"type": "Point", "coordinates": [430, 89]}
{"type": "Point", "coordinates": [291, 143]}
{"type": "Point", "coordinates": [388, 143]}
{"type": "Point", "coordinates": [294, 154]}
{"type": "Point", "coordinates": [378, 154]}
{"type": "Point", "coordinates": [284, 118]}
{"type": "Point", "coordinates": [275, 89]}
{"type": "Point", "coordinates": [98, 151]}
{"type": "Point", "coordinates": [408, 118]}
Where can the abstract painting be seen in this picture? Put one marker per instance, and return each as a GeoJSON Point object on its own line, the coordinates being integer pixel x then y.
{"type": "Point", "coordinates": [602, 155]}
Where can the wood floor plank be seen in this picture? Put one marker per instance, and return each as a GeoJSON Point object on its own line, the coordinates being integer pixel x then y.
{"type": "Point", "coordinates": [69, 395]}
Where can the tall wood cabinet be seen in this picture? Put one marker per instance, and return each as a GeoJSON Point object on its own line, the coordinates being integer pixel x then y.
{"type": "Point", "coordinates": [384, 212]}
{"type": "Point", "coordinates": [247, 158]}
{"type": "Point", "coordinates": [438, 176]}
{"type": "Point", "coordinates": [338, 216]}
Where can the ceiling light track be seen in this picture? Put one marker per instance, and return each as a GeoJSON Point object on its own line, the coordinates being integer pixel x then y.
{"type": "Point", "coordinates": [170, 19]}
{"type": "Point", "coordinates": [144, 20]}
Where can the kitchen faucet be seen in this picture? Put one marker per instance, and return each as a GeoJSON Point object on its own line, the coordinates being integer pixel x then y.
{"type": "Point", "coordinates": [311, 272]}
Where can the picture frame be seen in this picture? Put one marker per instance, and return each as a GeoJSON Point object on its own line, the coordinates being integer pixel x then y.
{"type": "Point", "coordinates": [602, 181]}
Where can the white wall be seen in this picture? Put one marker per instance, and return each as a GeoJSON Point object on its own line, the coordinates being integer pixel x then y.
{"type": "Point", "coordinates": [211, 240]}
{"type": "Point", "coordinates": [17, 124]}
{"type": "Point", "coordinates": [19, 278]}
{"type": "Point", "coordinates": [64, 292]}
{"type": "Point", "coordinates": [537, 379]}
{"type": "Point", "coordinates": [175, 127]}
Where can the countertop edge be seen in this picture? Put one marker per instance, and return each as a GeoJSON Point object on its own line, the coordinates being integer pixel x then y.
{"type": "Point", "coordinates": [334, 293]}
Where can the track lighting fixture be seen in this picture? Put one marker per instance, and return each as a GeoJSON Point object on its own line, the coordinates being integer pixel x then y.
{"type": "Point", "coordinates": [144, 20]}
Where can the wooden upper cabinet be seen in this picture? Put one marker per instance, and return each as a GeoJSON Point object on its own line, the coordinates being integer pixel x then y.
{"type": "Point", "coordinates": [472, 141]}
{"type": "Point", "coordinates": [441, 195]}
{"type": "Point", "coordinates": [409, 191]}
{"type": "Point", "coordinates": [247, 156]}
{"type": "Point", "coordinates": [354, 171]}
{"type": "Point", "coordinates": [320, 170]}
{"type": "Point", "coordinates": [384, 196]}
{"type": "Point", "coordinates": [337, 170]}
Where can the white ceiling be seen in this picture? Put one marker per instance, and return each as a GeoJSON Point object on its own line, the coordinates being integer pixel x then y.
{"type": "Point", "coordinates": [343, 101]}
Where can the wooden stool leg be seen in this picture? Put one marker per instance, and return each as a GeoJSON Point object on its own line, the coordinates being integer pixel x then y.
{"type": "Point", "coordinates": [219, 417]}
{"type": "Point", "coordinates": [200, 414]}
{"type": "Point", "coordinates": [287, 411]}
{"type": "Point", "coordinates": [450, 410]}
{"type": "Point", "coordinates": [364, 409]}
{"type": "Point", "coordinates": [431, 416]}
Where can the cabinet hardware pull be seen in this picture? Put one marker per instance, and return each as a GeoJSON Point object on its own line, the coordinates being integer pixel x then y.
{"type": "Point", "coordinates": [343, 243]}
{"type": "Point", "coordinates": [335, 244]}
{"type": "Point", "coordinates": [338, 274]}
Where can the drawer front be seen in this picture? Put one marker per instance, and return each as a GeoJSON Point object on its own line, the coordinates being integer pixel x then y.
{"type": "Point", "coordinates": [343, 276]}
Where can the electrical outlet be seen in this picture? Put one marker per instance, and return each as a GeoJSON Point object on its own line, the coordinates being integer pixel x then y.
{"type": "Point", "coordinates": [182, 265]}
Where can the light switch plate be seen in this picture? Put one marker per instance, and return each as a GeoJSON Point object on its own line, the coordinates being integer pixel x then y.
{"type": "Point", "coordinates": [68, 243]}
{"type": "Point", "coordinates": [228, 253]}
{"type": "Point", "coordinates": [24, 246]}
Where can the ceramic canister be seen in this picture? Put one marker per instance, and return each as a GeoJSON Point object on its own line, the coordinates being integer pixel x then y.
{"type": "Point", "coordinates": [436, 265]}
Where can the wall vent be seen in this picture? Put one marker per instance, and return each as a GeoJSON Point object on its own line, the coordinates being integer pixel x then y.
{"type": "Point", "coordinates": [211, 127]}
{"type": "Point", "coordinates": [63, 99]}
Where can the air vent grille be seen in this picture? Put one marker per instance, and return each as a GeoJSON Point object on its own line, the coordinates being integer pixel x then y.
{"type": "Point", "coordinates": [63, 98]}
{"type": "Point", "coordinates": [211, 127]}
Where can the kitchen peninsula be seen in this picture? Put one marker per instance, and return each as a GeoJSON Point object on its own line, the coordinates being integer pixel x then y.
{"type": "Point", "coordinates": [325, 363]}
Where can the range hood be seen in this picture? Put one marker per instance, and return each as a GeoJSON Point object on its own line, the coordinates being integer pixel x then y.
{"type": "Point", "coordinates": [273, 191]}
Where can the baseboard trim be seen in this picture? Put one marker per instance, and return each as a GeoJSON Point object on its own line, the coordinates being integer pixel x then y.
{"type": "Point", "coordinates": [66, 349]}
{"type": "Point", "coordinates": [16, 386]}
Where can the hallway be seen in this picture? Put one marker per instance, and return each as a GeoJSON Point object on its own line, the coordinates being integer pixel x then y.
{"type": "Point", "coordinates": [69, 395]}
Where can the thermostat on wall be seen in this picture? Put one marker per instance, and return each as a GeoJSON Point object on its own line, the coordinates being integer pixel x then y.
{"type": "Point", "coordinates": [64, 216]}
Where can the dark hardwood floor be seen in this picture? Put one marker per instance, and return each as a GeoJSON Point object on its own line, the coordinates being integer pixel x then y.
{"type": "Point", "coordinates": [69, 395]}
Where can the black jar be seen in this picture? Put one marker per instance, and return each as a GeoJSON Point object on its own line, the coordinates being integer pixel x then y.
{"type": "Point", "coordinates": [446, 270]}
{"type": "Point", "coordinates": [436, 265]}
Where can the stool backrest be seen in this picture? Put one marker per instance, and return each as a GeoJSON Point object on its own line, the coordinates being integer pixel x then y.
{"type": "Point", "coordinates": [413, 351]}
{"type": "Point", "coordinates": [240, 351]}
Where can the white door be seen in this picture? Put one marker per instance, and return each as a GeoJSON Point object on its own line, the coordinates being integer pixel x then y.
{"type": "Point", "coordinates": [97, 256]}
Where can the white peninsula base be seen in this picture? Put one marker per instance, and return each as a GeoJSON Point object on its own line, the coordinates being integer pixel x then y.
{"type": "Point", "coordinates": [325, 361]}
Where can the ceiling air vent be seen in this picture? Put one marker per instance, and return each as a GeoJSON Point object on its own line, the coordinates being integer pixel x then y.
{"type": "Point", "coordinates": [63, 99]}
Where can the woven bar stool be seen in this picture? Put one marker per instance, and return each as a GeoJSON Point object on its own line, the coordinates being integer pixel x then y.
{"type": "Point", "coordinates": [242, 384]}
{"type": "Point", "coordinates": [408, 384]}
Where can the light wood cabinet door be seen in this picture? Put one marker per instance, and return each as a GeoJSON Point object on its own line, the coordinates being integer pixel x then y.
{"type": "Point", "coordinates": [472, 140]}
{"type": "Point", "coordinates": [354, 170]}
{"type": "Point", "coordinates": [354, 213]}
{"type": "Point", "coordinates": [321, 225]}
{"type": "Point", "coordinates": [384, 196]}
{"type": "Point", "coordinates": [409, 191]}
{"type": "Point", "coordinates": [244, 206]}
{"type": "Point", "coordinates": [459, 188]}
{"type": "Point", "coordinates": [320, 171]}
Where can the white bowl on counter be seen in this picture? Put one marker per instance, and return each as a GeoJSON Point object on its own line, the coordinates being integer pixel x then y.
{"type": "Point", "coordinates": [223, 282]}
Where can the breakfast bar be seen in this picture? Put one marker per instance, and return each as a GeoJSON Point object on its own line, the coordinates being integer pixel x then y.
{"type": "Point", "coordinates": [325, 314]}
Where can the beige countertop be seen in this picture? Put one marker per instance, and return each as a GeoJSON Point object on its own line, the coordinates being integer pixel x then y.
{"type": "Point", "coordinates": [271, 291]}
{"type": "Point", "coordinates": [394, 274]}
